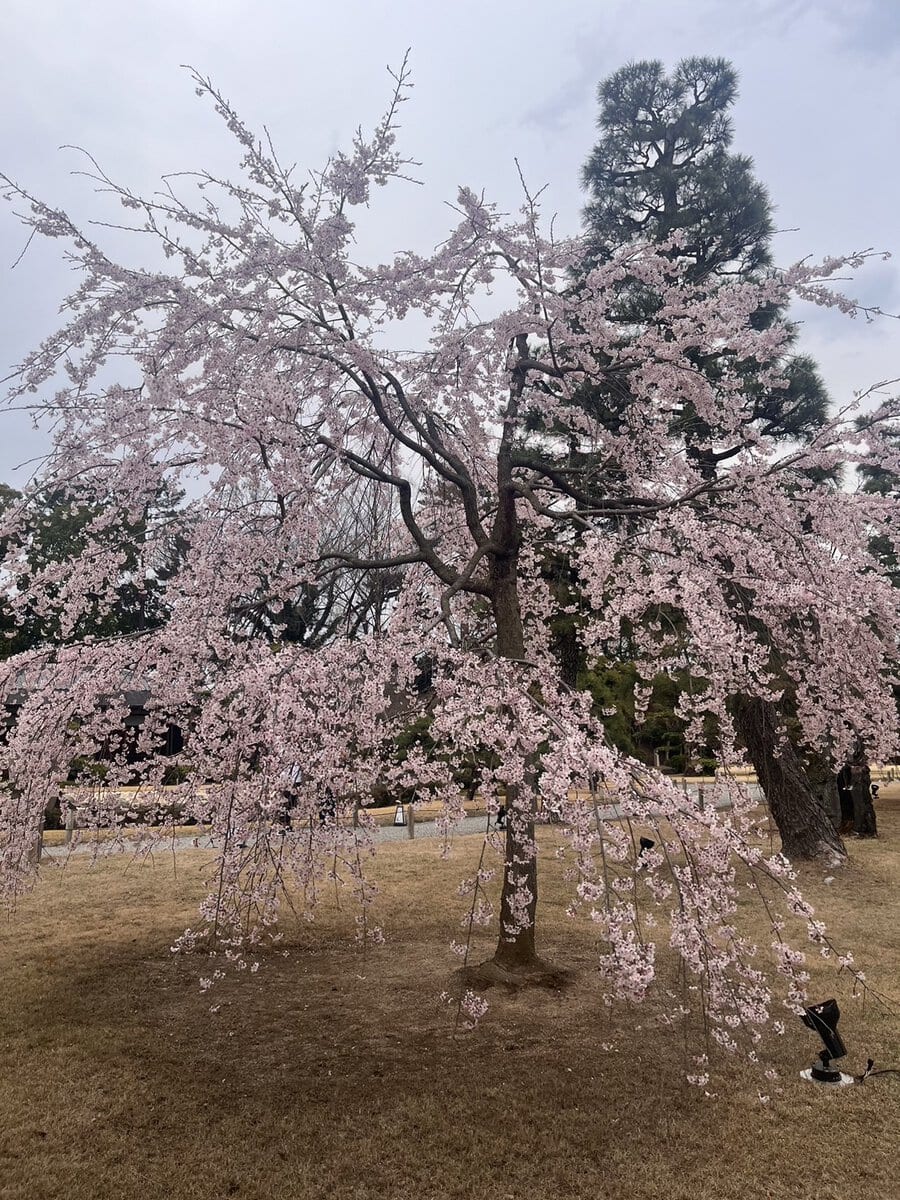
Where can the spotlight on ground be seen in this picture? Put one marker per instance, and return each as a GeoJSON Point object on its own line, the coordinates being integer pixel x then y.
{"type": "Point", "coordinates": [823, 1019]}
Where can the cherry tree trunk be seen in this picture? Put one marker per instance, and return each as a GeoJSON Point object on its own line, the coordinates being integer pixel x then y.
{"type": "Point", "coordinates": [805, 827]}
{"type": "Point", "coordinates": [518, 899]}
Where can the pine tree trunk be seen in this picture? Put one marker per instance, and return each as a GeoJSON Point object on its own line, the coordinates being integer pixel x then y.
{"type": "Point", "coordinates": [805, 827]}
{"type": "Point", "coordinates": [864, 823]}
{"type": "Point", "coordinates": [824, 784]}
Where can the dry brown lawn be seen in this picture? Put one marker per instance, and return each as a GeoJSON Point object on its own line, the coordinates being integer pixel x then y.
{"type": "Point", "coordinates": [328, 1074]}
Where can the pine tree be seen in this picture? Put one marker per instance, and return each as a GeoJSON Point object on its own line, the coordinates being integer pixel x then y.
{"type": "Point", "coordinates": [663, 166]}
{"type": "Point", "coordinates": [664, 171]}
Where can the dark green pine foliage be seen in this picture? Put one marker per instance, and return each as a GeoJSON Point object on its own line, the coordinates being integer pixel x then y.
{"type": "Point", "coordinates": [880, 481]}
{"type": "Point", "coordinates": [663, 166]}
{"type": "Point", "coordinates": [663, 171]}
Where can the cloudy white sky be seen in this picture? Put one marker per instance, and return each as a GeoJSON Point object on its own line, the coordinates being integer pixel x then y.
{"type": "Point", "coordinates": [819, 111]}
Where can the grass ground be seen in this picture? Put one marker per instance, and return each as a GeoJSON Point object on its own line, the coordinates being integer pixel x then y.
{"type": "Point", "coordinates": [330, 1074]}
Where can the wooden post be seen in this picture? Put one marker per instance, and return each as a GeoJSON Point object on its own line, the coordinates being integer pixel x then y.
{"type": "Point", "coordinates": [70, 825]}
{"type": "Point", "coordinates": [38, 844]}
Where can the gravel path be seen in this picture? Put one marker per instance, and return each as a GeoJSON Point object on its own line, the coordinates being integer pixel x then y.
{"type": "Point", "coordinates": [384, 833]}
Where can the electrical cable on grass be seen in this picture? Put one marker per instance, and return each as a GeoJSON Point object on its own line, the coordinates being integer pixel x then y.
{"type": "Point", "coordinates": [869, 1072]}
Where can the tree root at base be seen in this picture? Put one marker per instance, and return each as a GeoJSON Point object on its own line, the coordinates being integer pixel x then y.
{"type": "Point", "coordinates": [535, 974]}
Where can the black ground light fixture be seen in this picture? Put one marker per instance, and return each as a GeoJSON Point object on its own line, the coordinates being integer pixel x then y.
{"type": "Point", "coordinates": [823, 1019]}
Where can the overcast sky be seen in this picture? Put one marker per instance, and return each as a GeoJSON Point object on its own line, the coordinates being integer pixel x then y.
{"type": "Point", "coordinates": [819, 112]}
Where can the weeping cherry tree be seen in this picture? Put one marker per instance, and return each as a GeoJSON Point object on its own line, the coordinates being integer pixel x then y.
{"type": "Point", "coordinates": [250, 366]}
